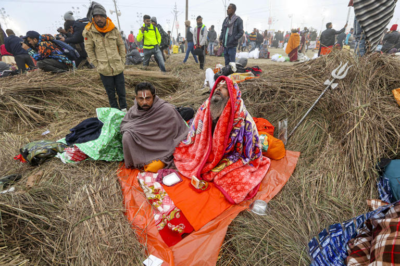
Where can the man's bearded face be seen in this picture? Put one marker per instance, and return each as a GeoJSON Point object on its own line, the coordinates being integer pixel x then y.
{"type": "Point", "coordinates": [219, 100]}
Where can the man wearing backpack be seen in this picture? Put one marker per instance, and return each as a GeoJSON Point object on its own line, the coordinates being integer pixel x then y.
{"type": "Point", "coordinates": [106, 51]}
{"type": "Point", "coordinates": [151, 43]}
{"type": "Point", "coordinates": [46, 52]}
{"type": "Point", "coordinates": [164, 37]}
{"type": "Point", "coordinates": [75, 30]}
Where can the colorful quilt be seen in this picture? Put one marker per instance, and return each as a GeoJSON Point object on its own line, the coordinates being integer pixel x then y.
{"type": "Point", "coordinates": [231, 156]}
{"type": "Point", "coordinates": [170, 221]}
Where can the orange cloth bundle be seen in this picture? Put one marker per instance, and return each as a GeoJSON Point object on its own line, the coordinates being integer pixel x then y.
{"type": "Point", "coordinates": [396, 94]}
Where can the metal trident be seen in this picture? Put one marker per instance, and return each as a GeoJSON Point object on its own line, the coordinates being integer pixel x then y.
{"type": "Point", "coordinates": [337, 74]}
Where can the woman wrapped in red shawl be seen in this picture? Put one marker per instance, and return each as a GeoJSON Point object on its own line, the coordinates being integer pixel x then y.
{"type": "Point", "coordinates": [293, 45]}
{"type": "Point", "coordinates": [223, 146]}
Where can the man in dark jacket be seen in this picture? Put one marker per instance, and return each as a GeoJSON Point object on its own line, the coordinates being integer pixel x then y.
{"type": "Point", "coordinates": [189, 39]}
{"type": "Point", "coordinates": [212, 36]}
{"type": "Point", "coordinates": [21, 56]}
{"type": "Point", "coordinates": [259, 40]}
{"type": "Point", "coordinates": [164, 38]}
{"type": "Point", "coordinates": [328, 39]}
{"type": "Point", "coordinates": [232, 31]}
{"type": "Point", "coordinates": [75, 38]}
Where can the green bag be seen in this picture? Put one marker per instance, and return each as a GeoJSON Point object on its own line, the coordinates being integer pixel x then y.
{"type": "Point", "coordinates": [38, 152]}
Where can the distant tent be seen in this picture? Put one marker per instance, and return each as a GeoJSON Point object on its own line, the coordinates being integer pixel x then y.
{"type": "Point", "coordinates": [373, 16]}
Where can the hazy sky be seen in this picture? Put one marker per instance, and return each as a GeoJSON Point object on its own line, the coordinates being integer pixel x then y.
{"type": "Point", "coordinates": [45, 16]}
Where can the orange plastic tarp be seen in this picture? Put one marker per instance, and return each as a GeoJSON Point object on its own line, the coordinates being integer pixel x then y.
{"type": "Point", "coordinates": [200, 247]}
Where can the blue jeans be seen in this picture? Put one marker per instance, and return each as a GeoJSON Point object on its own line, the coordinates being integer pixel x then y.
{"type": "Point", "coordinates": [230, 55]}
{"type": "Point", "coordinates": [190, 49]}
{"type": "Point", "coordinates": [359, 48]}
{"type": "Point", "coordinates": [158, 56]}
{"type": "Point", "coordinates": [211, 46]}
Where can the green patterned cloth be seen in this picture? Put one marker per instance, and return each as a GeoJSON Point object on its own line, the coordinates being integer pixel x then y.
{"type": "Point", "coordinates": [108, 147]}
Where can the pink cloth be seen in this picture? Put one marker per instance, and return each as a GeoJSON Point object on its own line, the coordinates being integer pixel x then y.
{"type": "Point", "coordinates": [3, 50]}
{"type": "Point", "coordinates": [131, 39]}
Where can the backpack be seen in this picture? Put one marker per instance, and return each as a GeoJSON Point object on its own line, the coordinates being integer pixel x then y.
{"type": "Point", "coordinates": [68, 50]}
{"type": "Point", "coordinates": [38, 152]}
{"type": "Point", "coordinates": [164, 37]}
{"type": "Point", "coordinates": [187, 113]}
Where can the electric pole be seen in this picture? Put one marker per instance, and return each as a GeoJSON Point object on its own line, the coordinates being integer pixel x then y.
{"type": "Point", "coordinates": [175, 12]}
{"type": "Point", "coordinates": [118, 13]}
{"type": "Point", "coordinates": [4, 16]}
{"type": "Point", "coordinates": [225, 3]}
{"type": "Point", "coordinates": [187, 10]}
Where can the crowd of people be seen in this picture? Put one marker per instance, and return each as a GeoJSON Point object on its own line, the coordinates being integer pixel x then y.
{"type": "Point", "coordinates": [95, 42]}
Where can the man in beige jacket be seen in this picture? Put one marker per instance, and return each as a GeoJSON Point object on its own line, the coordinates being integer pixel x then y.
{"type": "Point", "coordinates": [106, 51]}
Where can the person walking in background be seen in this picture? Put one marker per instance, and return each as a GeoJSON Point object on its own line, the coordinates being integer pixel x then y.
{"type": "Point", "coordinates": [232, 31]}
{"type": "Point", "coordinates": [200, 40]}
{"type": "Point", "coordinates": [106, 51]}
{"type": "Point", "coordinates": [292, 47]}
{"type": "Point", "coordinates": [253, 39]}
{"type": "Point", "coordinates": [151, 43]}
{"type": "Point", "coordinates": [212, 37]}
{"type": "Point", "coordinates": [13, 46]}
{"type": "Point", "coordinates": [131, 40]}
{"type": "Point", "coordinates": [189, 39]}
{"type": "Point", "coordinates": [259, 39]}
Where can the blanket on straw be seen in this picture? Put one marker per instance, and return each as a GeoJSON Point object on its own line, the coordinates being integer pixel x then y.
{"type": "Point", "coordinates": [108, 146]}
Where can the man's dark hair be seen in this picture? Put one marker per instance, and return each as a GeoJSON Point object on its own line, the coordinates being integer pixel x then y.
{"type": "Point", "coordinates": [68, 24]}
{"type": "Point", "coordinates": [143, 86]}
{"type": "Point", "coordinates": [199, 17]}
{"type": "Point", "coordinates": [328, 24]}
{"type": "Point", "coordinates": [10, 32]}
{"type": "Point", "coordinates": [146, 17]}
{"type": "Point", "coordinates": [233, 6]}
{"type": "Point", "coordinates": [212, 26]}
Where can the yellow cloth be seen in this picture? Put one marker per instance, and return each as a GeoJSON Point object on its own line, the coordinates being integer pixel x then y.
{"type": "Point", "coordinates": [396, 94]}
{"type": "Point", "coordinates": [294, 42]}
{"type": "Point", "coordinates": [107, 28]}
{"type": "Point", "coordinates": [154, 166]}
{"type": "Point", "coordinates": [175, 49]}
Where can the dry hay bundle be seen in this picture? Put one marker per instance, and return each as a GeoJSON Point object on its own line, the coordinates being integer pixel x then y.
{"type": "Point", "coordinates": [39, 98]}
{"type": "Point", "coordinates": [341, 141]}
{"type": "Point", "coordinates": [74, 215]}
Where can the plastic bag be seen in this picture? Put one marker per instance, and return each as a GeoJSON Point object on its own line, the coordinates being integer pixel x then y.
{"type": "Point", "coordinates": [396, 94]}
{"type": "Point", "coordinates": [275, 57]}
{"type": "Point", "coordinates": [200, 247]}
{"type": "Point", "coordinates": [282, 130]}
{"type": "Point", "coordinates": [243, 55]}
{"type": "Point", "coordinates": [254, 54]}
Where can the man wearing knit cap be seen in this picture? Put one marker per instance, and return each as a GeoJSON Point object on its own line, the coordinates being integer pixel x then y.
{"type": "Point", "coordinates": [106, 51]}
{"type": "Point", "coordinates": [151, 43]}
{"type": "Point", "coordinates": [164, 37]}
{"type": "Point", "coordinates": [48, 55]}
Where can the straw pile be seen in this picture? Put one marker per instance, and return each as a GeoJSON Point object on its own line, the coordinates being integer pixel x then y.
{"type": "Point", "coordinates": [74, 213]}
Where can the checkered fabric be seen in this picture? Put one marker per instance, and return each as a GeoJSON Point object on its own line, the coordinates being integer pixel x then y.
{"type": "Point", "coordinates": [378, 243]}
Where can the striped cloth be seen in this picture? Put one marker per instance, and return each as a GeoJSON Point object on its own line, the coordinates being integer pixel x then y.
{"type": "Point", "coordinates": [373, 16]}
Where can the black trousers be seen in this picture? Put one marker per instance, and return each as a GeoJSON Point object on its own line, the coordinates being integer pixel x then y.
{"type": "Point", "coordinates": [52, 65]}
{"type": "Point", "coordinates": [23, 59]}
{"type": "Point", "coordinates": [202, 57]}
{"type": "Point", "coordinates": [114, 84]}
